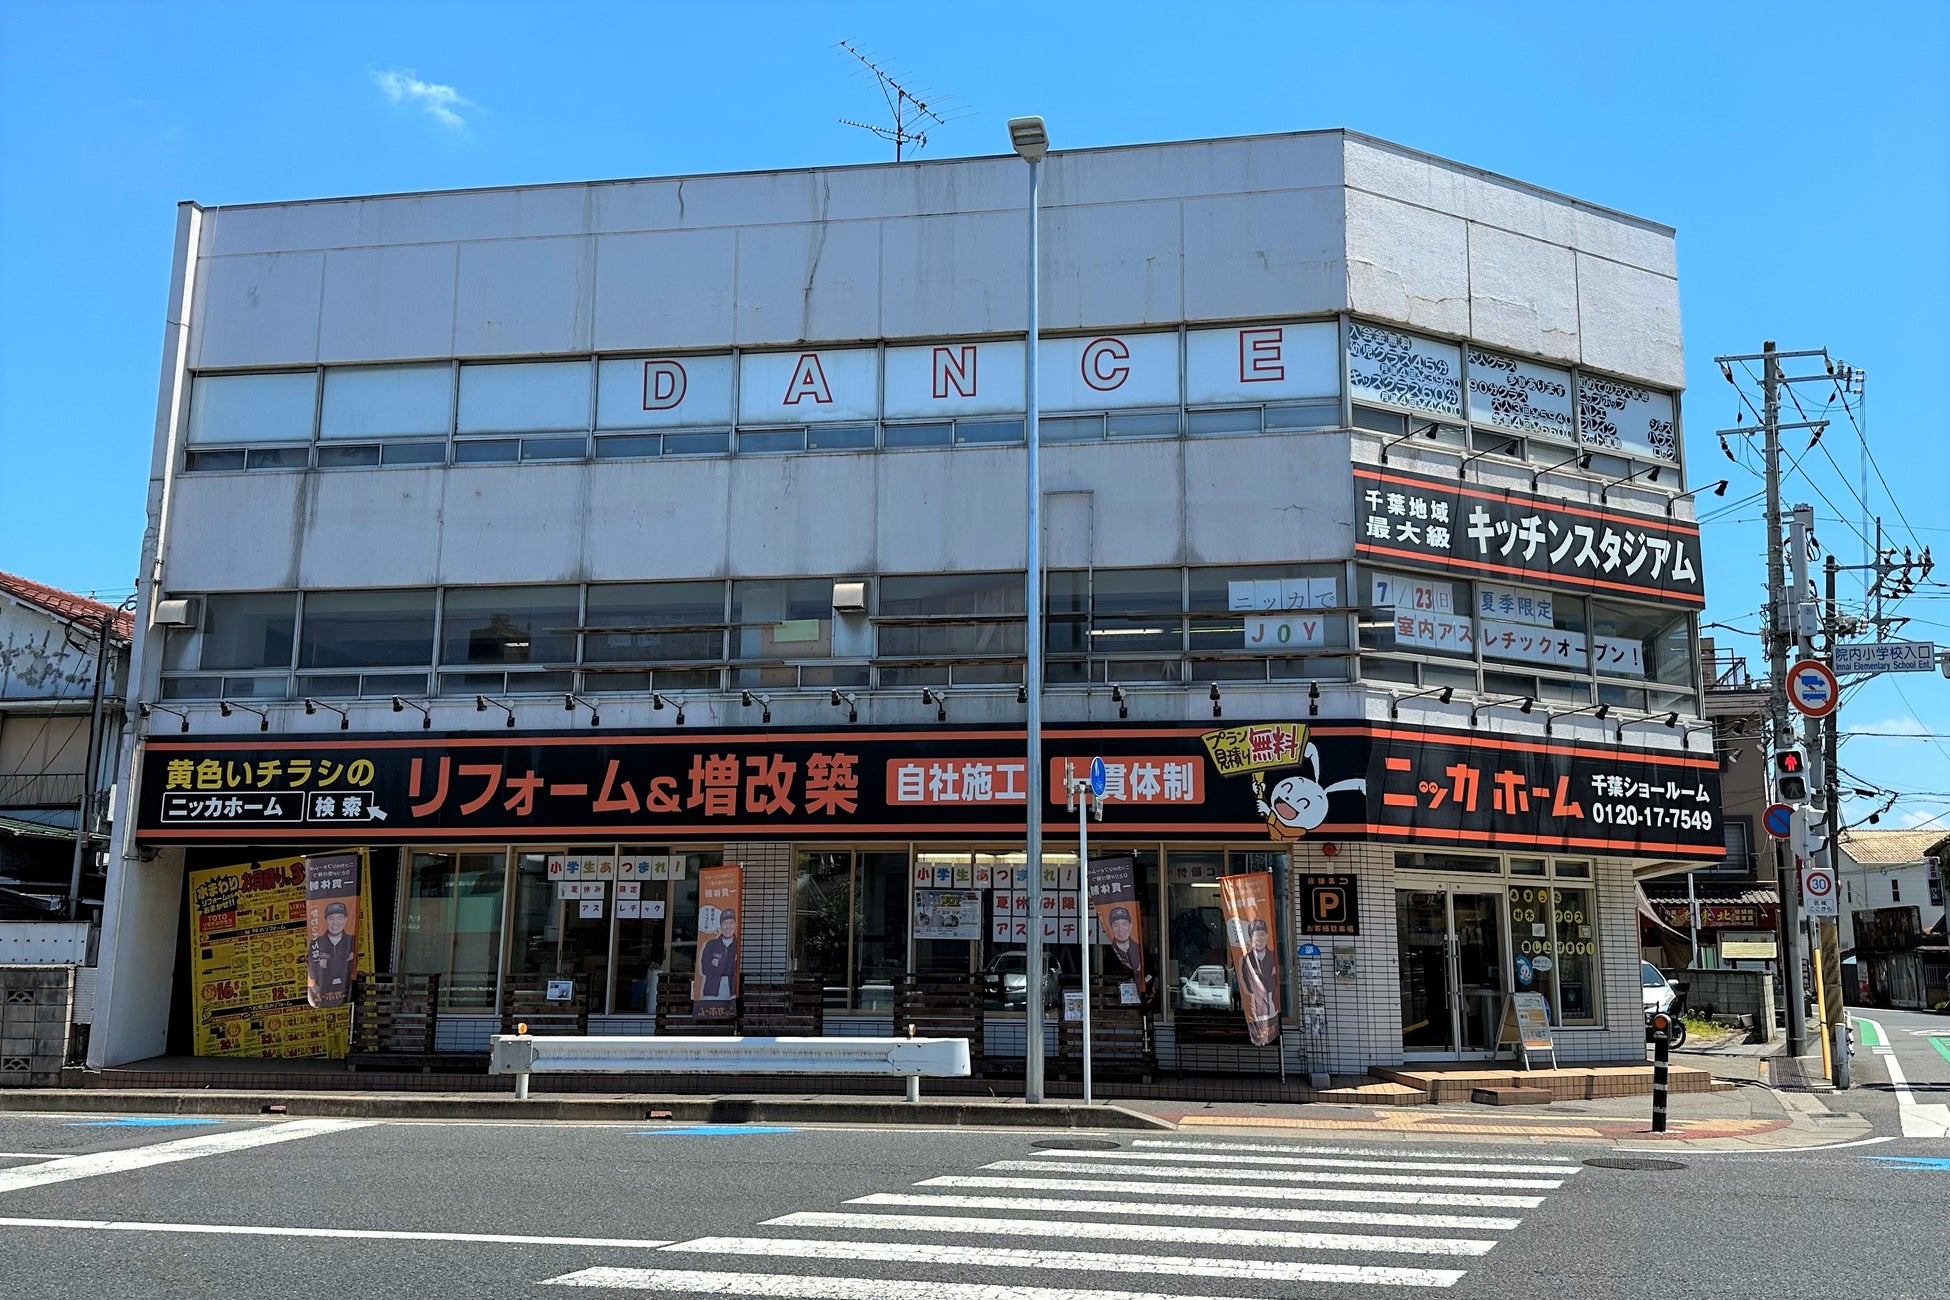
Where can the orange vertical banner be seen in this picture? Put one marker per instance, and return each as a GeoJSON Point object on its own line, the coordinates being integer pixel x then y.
{"type": "Point", "coordinates": [714, 982]}
{"type": "Point", "coordinates": [1251, 933]}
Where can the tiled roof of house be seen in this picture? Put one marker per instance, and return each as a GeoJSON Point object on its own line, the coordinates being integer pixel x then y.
{"type": "Point", "coordinates": [1891, 846]}
{"type": "Point", "coordinates": [66, 604]}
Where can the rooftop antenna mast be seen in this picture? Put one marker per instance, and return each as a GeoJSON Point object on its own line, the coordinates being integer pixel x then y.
{"type": "Point", "coordinates": [909, 111]}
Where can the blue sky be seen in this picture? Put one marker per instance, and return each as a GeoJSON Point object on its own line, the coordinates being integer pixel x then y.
{"type": "Point", "coordinates": [1800, 150]}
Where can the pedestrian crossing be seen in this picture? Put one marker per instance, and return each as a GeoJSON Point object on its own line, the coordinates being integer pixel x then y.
{"type": "Point", "coordinates": [1157, 1219]}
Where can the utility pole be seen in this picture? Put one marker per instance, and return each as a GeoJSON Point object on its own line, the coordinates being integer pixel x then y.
{"type": "Point", "coordinates": [1787, 876]}
{"type": "Point", "coordinates": [1831, 771]}
{"type": "Point", "coordinates": [1825, 950]}
{"type": "Point", "coordinates": [84, 829]}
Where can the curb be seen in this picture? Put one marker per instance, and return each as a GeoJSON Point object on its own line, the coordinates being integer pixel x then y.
{"type": "Point", "coordinates": [684, 1110]}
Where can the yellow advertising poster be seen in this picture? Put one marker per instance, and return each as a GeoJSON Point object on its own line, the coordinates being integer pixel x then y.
{"type": "Point", "coordinates": [250, 945]}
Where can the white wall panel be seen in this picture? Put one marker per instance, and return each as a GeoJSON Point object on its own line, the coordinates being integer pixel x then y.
{"type": "Point", "coordinates": [665, 289]}
{"type": "Point", "coordinates": [513, 523]}
{"type": "Point", "coordinates": [818, 282]}
{"type": "Point", "coordinates": [1407, 264]}
{"type": "Point", "coordinates": [258, 311]}
{"type": "Point", "coordinates": [962, 274]}
{"type": "Point", "coordinates": [524, 295]}
{"type": "Point", "coordinates": [245, 536]}
{"type": "Point", "coordinates": [373, 528]}
{"type": "Point", "coordinates": [383, 304]}
{"type": "Point", "coordinates": [1247, 499]}
{"type": "Point", "coordinates": [808, 514]}
{"type": "Point", "coordinates": [1136, 515]}
{"type": "Point", "coordinates": [1628, 322]}
{"type": "Point", "coordinates": [1264, 255]}
{"type": "Point", "coordinates": [959, 509]}
{"type": "Point", "coordinates": [1523, 294]}
{"type": "Point", "coordinates": [660, 519]}
{"type": "Point", "coordinates": [1112, 264]}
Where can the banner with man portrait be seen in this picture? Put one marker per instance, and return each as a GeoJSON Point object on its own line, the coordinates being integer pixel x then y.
{"type": "Point", "coordinates": [714, 981]}
{"type": "Point", "coordinates": [1120, 923]}
{"type": "Point", "coordinates": [1252, 943]}
{"type": "Point", "coordinates": [332, 914]}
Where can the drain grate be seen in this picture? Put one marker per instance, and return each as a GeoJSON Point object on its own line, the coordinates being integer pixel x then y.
{"type": "Point", "coordinates": [1623, 1162]}
{"type": "Point", "coordinates": [1077, 1144]}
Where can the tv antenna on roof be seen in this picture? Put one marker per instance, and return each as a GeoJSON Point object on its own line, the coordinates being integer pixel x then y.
{"type": "Point", "coordinates": [909, 109]}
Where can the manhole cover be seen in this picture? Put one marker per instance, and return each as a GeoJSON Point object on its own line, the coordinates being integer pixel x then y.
{"type": "Point", "coordinates": [1623, 1162]}
{"type": "Point", "coordinates": [1077, 1144]}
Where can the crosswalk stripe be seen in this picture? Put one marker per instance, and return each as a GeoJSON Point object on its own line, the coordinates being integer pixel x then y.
{"type": "Point", "coordinates": [1287, 1148]}
{"type": "Point", "coordinates": [1344, 1195]}
{"type": "Point", "coordinates": [948, 1225]}
{"type": "Point", "coordinates": [800, 1287]}
{"type": "Point", "coordinates": [1271, 1175]}
{"type": "Point", "coordinates": [1323, 1162]}
{"type": "Point", "coordinates": [1231, 1213]}
{"type": "Point", "coordinates": [1259, 1270]}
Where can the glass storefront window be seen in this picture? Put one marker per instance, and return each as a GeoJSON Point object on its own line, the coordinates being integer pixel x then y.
{"type": "Point", "coordinates": [510, 625]}
{"type": "Point", "coordinates": [1415, 613]}
{"type": "Point", "coordinates": [822, 921]}
{"type": "Point", "coordinates": [1642, 642]}
{"type": "Point", "coordinates": [552, 937]}
{"type": "Point", "coordinates": [1236, 612]}
{"type": "Point", "coordinates": [1553, 932]}
{"type": "Point", "coordinates": [1199, 974]}
{"type": "Point", "coordinates": [452, 925]}
{"type": "Point", "coordinates": [849, 925]}
{"type": "Point", "coordinates": [641, 932]}
{"type": "Point", "coordinates": [367, 629]}
{"type": "Point", "coordinates": [624, 619]}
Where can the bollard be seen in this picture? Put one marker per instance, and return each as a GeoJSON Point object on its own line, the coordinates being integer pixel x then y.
{"type": "Point", "coordinates": [521, 1080]}
{"type": "Point", "coordinates": [913, 1080]}
{"type": "Point", "coordinates": [1661, 1022]}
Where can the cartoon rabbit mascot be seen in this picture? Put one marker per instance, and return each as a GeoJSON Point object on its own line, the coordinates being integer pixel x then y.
{"type": "Point", "coordinates": [1299, 803]}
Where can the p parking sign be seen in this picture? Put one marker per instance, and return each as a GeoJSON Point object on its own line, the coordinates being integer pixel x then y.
{"type": "Point", "coordinates": [1330, 904]}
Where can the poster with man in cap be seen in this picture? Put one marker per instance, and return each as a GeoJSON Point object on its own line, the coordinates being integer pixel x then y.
{"type": "Point", "coordinates": [1113, 898]}
{"type": "Point", "coordinates": [714, 984]}
{"type": "Point", "coordinates": [332, 924]}
{"type": "Point", "coordinates": [1247, 902]}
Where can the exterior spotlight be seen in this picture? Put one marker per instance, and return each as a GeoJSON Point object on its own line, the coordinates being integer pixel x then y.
{"type": "Point", "coordinates": [1117, 698]}
{"type": "Point", "coordinates": [481, 703]}
{"type": "Point", "coordinates": [426, 715]}
{"type": "Point", "coordinates": [851, 701]}
{"type": "Point", "coordinates": [146, 709]}
{"type": "Point", "coordinates": [263, 715]}
{"type": "Point", "coordinates": [940, 701]}
{"type": "Point", "coordinates": [1313, 699]}
{"type": "Point", "coordinates": [747, 699]}
{"type": "Point", "coordinates": [1213, 695]}
{"type": "Point", "coordinates": [1445, 693]}
{"type": "Point", "coordinates": [313, 706]}
{"type": "Point", "coordinates": [570, 701]}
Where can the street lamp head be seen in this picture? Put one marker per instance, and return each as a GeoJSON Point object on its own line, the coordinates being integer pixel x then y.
{"type": "Point", "coordinates": [1028, 138]}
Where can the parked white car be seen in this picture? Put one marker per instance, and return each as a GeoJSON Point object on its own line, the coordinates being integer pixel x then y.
{"type": "Point", "coordinates": [1206, 987]}
{"type": "Point", "coordinates": [1660, 992]}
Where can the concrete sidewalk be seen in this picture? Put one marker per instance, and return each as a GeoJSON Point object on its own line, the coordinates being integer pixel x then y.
{"type": "Point", "coordinates": [1748, 1116]}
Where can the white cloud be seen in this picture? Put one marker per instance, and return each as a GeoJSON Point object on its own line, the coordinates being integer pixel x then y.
{"type": "Point", "coordinates": [442, 103]}
{"type": "Point", "coordinates": [1892, 727]}
{"type": "Point", "coordinates": [1921, 817]}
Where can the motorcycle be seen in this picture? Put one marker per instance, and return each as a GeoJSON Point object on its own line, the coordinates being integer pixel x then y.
{"type": "Point", "coordinates": [1675, 1032]}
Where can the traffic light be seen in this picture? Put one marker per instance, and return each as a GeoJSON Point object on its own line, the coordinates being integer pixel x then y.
{"type": "Point", "coordinates": [1791, 775]}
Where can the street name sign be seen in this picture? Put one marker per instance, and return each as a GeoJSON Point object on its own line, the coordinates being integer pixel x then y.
{"type": "Point", "coordinates": [1886, 657]}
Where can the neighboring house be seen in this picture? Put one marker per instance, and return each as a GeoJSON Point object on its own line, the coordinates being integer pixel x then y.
{"type": "Point", "coordinates": [1892, 915]}
{"type": "Point", "coordinates": [57, 751]}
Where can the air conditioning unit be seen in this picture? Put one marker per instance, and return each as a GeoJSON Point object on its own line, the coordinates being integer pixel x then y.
{"type": "Point", "coordinates": [185, 612]}
{"type": "Point", "coordinates": [850, 597]}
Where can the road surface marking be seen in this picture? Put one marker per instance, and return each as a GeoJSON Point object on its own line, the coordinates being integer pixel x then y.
{"type": "Point", "coordinates": [1322, 1162]}
{"type": "Point", "coordinates": [710, 1130]}
{"type": "Point", "coordinates": [1920, 1120]}
{"type": "Point", "coordinates": [1914, 1162]}
{"type": "Point", "coordinates": [32, 1155]}
{"type": "Point", "coordinates": [144, 1122]}
{"type": "Point", "coordinates": [1345, 1195]}
{"type": "Point", "coordinates": [1091, 1261]}
{"type": "Point", "coordinates": [253, 1230]}
{"type": "Point", "coordinates": [1270, 1175]}
{"type": "Point", "coordinates": [1230, 1213]}
{"type": "Point", "coordinates": [945, 1225]}
{"type": "Point", "coordinates": [1395, 1124]}
{"type": "Point", "coordinates": [1942, 1046]}
{"type": "Point", "coordinates": [1331, 1151]}
{"type": "Point", "coordinates": [791, 1287]}
{"type": "Point", "coordinates": [1871, 1032]}
{"type": "Point", "coordinates": [68, 1168]}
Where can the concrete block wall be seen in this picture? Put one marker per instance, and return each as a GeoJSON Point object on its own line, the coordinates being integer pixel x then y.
{"type": "Point", "coordinates": [1733, 993]}
{"type": "Point", "coordinates": [36, 1012]}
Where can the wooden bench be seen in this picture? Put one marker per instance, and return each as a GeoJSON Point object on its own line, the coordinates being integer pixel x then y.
{"type": "Point", "coordinates": [792, 1006]}
{"type": "Point", "coordinates": [527, 1002]}
{"type": "Point", "coordinates": [1120, 1041]}
{"type": "Point", "coordinates": [674, 1015]}
{"type": "Point", "coordinates": [395, 1019]}
{"type": "Point", "coordinates": [1210, 1025]}
{"type": "Point", "coordinates": [942, 1006]}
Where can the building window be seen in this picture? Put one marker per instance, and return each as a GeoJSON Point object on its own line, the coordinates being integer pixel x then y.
{"type": "Point", "coordinates": [243, 631]}
{"type": "Point", "coordinates": [1895, 891]}
{"type": "Point", "coordinates": [367, 629]}
{"type": "Point", "coordinates": [452, 925]}
{"type": "Point", "coordinates": [678, 628]}
{"type": "Point", "coordinates": [1555, 936]}
{"type": "Point", "coordinates": [1117, 625]}
{"type": "Point", "coordinates": [509, 625]}
{"type": "Point", "coordinates": [367, 403]}
{"type": "Point", "coordinates": [1643, 643]}
{"type": "Point", "coordinates": [849, 914]}
{"type": "Point", "coordinates": [960, 627]}
{"type": "Point", "coordinates": [1240, 619]}
{"type": "Point", "coordinates": [524, 397]}
{"type": "Point", "coordinates": [776, 624]}
{"type": "Point", "coordinates": [1415, 613]}
{"type": "Point", "coordinates": [252, 409]}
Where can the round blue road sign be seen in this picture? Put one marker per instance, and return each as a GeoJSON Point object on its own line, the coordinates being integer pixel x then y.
{"type": "Point", "coordinates": [1097, 777]}
{"type": "Point", "coordinates": [1779, 820]}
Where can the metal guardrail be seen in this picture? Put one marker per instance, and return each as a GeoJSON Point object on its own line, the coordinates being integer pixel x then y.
{"type": "Point", "coordinates": [524, 1054]}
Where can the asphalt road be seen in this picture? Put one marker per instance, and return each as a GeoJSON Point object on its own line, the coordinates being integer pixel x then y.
{"type": "Point", "coordinates": [551, 1212]}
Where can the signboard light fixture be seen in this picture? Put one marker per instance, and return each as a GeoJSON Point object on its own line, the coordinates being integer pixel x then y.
{"type": "Point", "coordinates": [940, 701]}
{"type": "Point", "coordinates": [1719, 490]}
{"type": "Point", "coordinates": [851, 701]}
{"type": "Point", "coordinates": [1582, 458]}
{"type": "Point", "coordinates": [746, 699]}
{"type": "Point", "coordinates": [1429, 430]}
{"type": "Point", "coordinates": [313, 706]}
{"type": "Point", "coordinates": [1394, 701]}
{"type": "Point", "coordinates": [401, 705]}
{"type": "Point", "coordinates": [657, 701]}
{"type": "Point", "coordinates": [1651, 473]}
{"type": "Point", "coordinates": [569, 703]}
{"type": "Point", "coordinates": [481, 703]}
{"type": "Point", "coordinates": [1598, 711]}
{"type": "Point", "coordinates": [1313, 699]}
{"type": "Point", "coordinates": [1523, 703]}
{"type": "Point", "coordinates": [146, 709]}
{"type": "Point", "coordinates": [1511, 447]}
{"type": "Point", "coordinates": [1214, 697]}
{"type": "Point", "coordinates": [263, 715]}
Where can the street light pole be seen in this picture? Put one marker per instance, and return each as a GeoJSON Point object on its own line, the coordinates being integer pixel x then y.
{"type": "Point", "coordinates": [1031, 142]}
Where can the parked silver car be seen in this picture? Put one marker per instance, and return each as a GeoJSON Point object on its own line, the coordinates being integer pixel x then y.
{"type": "Point", "coordinates": [1206, 987]}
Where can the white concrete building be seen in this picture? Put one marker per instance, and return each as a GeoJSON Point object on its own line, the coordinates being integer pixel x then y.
{"type": "Point", "coordinates": [672, 523]}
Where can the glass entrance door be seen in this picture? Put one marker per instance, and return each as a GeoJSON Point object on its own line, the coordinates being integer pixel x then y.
{"type": "Point", "coordinates": [1450, 947]}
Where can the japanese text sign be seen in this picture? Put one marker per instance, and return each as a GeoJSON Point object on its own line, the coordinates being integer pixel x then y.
{"type": "Point", "coordinates": [1432, 522]}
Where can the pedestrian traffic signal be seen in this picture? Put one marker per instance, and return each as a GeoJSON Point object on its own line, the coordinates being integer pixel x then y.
{"type": "Point", "coordinates": [1791, 775]}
